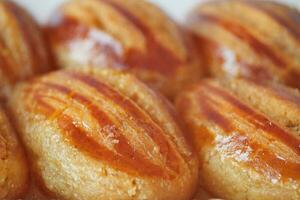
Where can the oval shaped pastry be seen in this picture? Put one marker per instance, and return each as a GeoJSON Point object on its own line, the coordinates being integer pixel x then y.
{"type": "Point", "coordinates": [247, 138]}
{"type": "Point", "coordinates": [132, 35]}
{"type": "Point", "coordinates": [23, 51]}
{"type": "Point", "coordinates": [13, 166]}
{"type": "Point", "coordinates": [102, 134]}
{"type": "Point", "coordinates": [253, 39]}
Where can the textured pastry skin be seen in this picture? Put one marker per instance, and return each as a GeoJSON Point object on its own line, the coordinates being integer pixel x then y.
{"type": "Point", "coordinates": [247, 138]}
{"type": "Point", "coordinates": [253, 39]}
{"type": "Point", "coordinates": [23, 52]}
{"type": "Point", "coordinates": [132, 35]}
{"type": "Point", "coordinates": [13, 166]}
{"type": "Point", "coordinates": [103, 135]}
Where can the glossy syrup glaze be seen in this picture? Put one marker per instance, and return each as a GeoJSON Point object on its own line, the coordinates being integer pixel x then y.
{"type": "Point", "coordinates": [259, 120]}
{"type": "Point", "coordinates": [215, 104]}
{"type": "Point", "coordinates": [69, 30]}
{"type": "Point", "coordinates": [123, 155]}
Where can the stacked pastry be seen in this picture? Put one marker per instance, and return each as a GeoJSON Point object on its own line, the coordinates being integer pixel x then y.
{"type": "Point", "coordinates": [23, 54]}
{"type": "Point", "coordinates": [100, 128]}
{"type": "Point", "coordinates": [246, 132]}
{"type": "Point", "coordinates": [96, 133]}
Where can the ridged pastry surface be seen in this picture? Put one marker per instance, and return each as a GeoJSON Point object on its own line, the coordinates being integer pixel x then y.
{"type": "Point", "coordinates": [13, 166]}
{"type": "Point", "coordinates": [247, 137]}
{"type": "Point", "coordinates": [132, 35]}
{"type": "Point", "coordinates": [22, 49]}
{"type": "Point", "coordinates": [253, 39]}
{"type": "Point", "coordinates": [102, 134]}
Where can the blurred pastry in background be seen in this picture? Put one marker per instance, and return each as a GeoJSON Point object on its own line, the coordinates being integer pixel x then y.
{"type": "Point", "coordinates": [254, 39]}
{"type": "Point", "coordinates": [23, 52]}
{"type": "Point", "coordinates": [132, 35]}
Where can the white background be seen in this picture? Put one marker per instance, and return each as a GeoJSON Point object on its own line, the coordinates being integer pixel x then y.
{"type": "Point", "coordinates": [176, 8]}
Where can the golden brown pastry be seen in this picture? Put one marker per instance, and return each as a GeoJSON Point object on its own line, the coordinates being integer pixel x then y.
{"type": "Point", "coordinates": [22, 49]}
{"type": "Point", "coordinates": [247, 137]}
{"type": "Point", "coordinates": [13, 166]}
{"type": "Point", "coordinates": [103, 135]}
{"type": "Point", "coordinates": [133, 35]}
{"type": "Point", "coordinates": [253, 39]}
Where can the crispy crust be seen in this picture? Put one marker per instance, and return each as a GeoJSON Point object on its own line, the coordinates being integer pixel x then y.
{"type": "Point", "coordinates": [101, 131]}
{"type": "Point", "coordinates": [247, 138]}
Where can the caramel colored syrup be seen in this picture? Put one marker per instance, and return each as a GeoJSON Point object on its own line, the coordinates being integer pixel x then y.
{"type": "Point", "coordinates": [259, 120]}
{"type": "Point", "coordinates": [157, 56]}
{"type": "Point", "coordinates": [237, 145]}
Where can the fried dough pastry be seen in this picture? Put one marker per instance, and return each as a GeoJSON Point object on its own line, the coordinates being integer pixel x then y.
{"type": "Point", "coordinates": [247, 137]}
{"type": "Point", "coordinates": [132, 35]}
{"type": "Point", "coordinates": [23, 51]}
{"type": "Point", "coordinates": [13, 166]}
{"type": "Point", "coordinates": [253, 39]}
{"type": "Point", "coordinates": [103, 135]}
